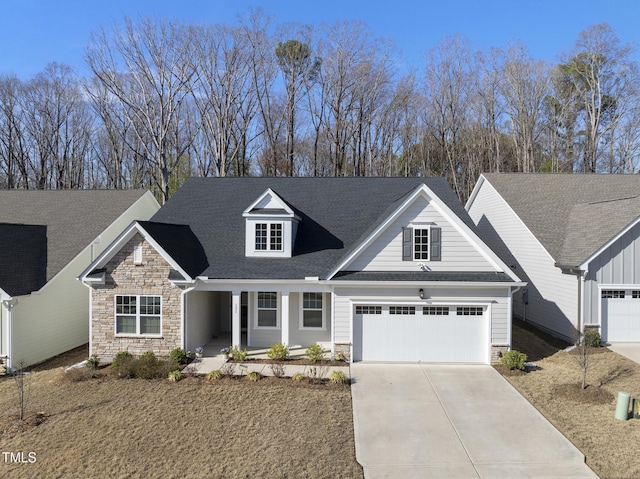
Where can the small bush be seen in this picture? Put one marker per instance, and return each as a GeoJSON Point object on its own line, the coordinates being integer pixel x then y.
{"type": "Point", "coordinates": [148, 366]}
{"type": "Point", "coordinates": [592, 338]}
{"type": "Point", "coordinates": [513, 359]}
{"type": "Point", "coordinates": [277, 369]}
{"type": "Point", "coordinates": [238, 354]}
{"type": "Point", "coordinates": [315, 353]}
{"type": "Point", "coordinates": [175, 376]}
{"type": "Point", "coordinates": [338, 377]}
{"type": "Point", "coordinates": [179, 356]}
{"type": "Point", "coordinates": [299, 377]}
{"type": "Point", "coordinates": [214, 375]}
{"type": "Point", "coordinates": [254, 376]}
{"type": "Point", "coordinates": [278, 351]}
{"type": "Point", "coordinates": [78, 374]}
{"type": "Point", "coordinates": [93, 362]}
{"type": "Point", "coordinates": [228, 369]}
{"type": "Point", "coordinates": [122, 365]}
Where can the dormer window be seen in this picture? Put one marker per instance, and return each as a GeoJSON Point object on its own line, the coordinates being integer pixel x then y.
{"type": "Point", "coordinates": [269, 236]}
{"type": "Point", "coordinates": [271, 226]}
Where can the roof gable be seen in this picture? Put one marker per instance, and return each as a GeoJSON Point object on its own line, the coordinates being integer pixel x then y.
{"type": "Point", "coordinates": [571, 215]}
{"type": "Point", "coordinates": [269, 203]}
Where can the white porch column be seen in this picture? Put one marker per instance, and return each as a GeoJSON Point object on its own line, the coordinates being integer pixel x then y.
{"type": "Point", "coordinates": [235, 318]}
{"type": "Point", "coordinates": [284, 319]}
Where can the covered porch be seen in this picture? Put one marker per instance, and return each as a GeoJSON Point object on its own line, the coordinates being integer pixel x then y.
{"type": "Point", "coordinates": [254, 319]}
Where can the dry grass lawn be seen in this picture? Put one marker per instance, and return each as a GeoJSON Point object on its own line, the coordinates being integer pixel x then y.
{"type": "Point", "coordinates": [106, 427]}
{"type": "Point", "coordinates": [585, 417]}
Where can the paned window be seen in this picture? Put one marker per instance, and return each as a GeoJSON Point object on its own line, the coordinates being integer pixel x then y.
{"type": "Point", "coordinates": [402, 310]}
{"type": "Point", "coordinates": [421, 243]}
{"type": "Point", "coordinates": [469, 311]}
{"type": "Point", "coordinates": [269, 236]}
{"type": "Point", "coordinates": [368, 309]}
{"type": "Point", "coordinates": [436, 310]}
{"type": "Point", "coordinates": [312, 314]}
{"type": "Point", "coordinates": [140, 315]}
{"type": "Point", "coordinates": [261, 236]}
{"type": "Point", "coordinates": [612, 293]}
{"type": "Point", "coordinates": [267, 310]}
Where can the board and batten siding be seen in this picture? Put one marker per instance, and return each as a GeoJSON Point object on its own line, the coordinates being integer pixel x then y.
{"type": "Point", "coordinates": [498, 298]}
{"type": "Point", "coordinates": [619, 264]}
{"type": "Point", "coordinates": [56, 318]}
{"type": "Point", "coordinates": [385, 252]}
{"type": "Point", "coordinates": [553, 296]}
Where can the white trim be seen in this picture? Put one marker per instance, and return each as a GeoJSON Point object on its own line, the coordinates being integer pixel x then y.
{"type": "Point", "coordinates": [268, 249]}
{"type": "Point", "coordinates": [274, 196]}
{"type": "Point", "coordinates": [301, 326]}
{"type": "Point", "coordinates": [424, 191]}
{"type": "Point", "coordinates": [421, 226]}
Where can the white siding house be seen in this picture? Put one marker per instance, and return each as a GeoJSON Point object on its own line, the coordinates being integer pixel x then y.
{"type": "Point", "coordinates": [48, 316]}
{"type": "Point", "coordinates": [573, 238]}
{"type": "Point", "coordinates": [396, 276]}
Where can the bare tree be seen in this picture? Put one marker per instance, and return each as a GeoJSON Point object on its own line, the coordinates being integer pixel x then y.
{"type": "Point", "coordinates": [14, 157]}
{"type": "Point", "coordinates": [148, 68]}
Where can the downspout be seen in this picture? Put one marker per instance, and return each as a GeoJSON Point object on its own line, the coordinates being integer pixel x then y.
{"type": "Point", "coordinates": [9, 304]}
{"type": "Point", "coordinates": [90, 313]}
{"type": "Point", "coordinates": [510, 323]}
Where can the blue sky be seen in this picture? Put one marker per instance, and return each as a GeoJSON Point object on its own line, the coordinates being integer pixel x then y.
{"type": "Point", "coordinates": [36, 32]}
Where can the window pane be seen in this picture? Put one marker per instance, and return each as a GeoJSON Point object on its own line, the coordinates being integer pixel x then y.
{"type": "Point", "coordinates": [268, 300]}
{"type": "Point", "coordinates": [149, 325]}
{"type": "Point", "coordinates": [421, 244]}
{"type": "Point", "coordinates": [312, 300]}
{"type": "Point", "coordinates": [261, 236]}
{"type": "Point", "coordinates": [267, 318]}
{"type": "Point", "coordinates": [150, 305]}
{"type": "Point", "coordinates": [312, 319]}
{"type": "Point", "coordinates": [125, 324]}
{"type": "Point", "coordinates": [125, 305]}
{"type": "Point", "coordinates": [276, 237]}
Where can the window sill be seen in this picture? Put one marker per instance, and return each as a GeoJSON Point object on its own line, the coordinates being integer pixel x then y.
{"type": "Point", "coordinates": [139, 336]}
{"type": "Point", "coordinates": [266, 328]}
{"type": "Point", "coordinates": [302, 328]}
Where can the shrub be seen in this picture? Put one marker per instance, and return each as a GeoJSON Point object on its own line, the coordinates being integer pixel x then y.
{"type": "Point", "coordinates": [179, 356]}
{"type": "Point", "coordinates": [148, 366]}
{"type": "Point", "coordinates": [254, 376]}
{"type": "Point", "coordinates": [315, 353]}
{"type": "Point", "coordinates": [228, 369]}
{"type": "Point", "coordinates": [277, 369]}
{"type": "Point", "coordinates": [237, 353]}
{"type": "Point", "coordinates": [175, 376]}
{"type": "Point", "coordinates": [299, 377]}
{"type": "Point", "coordinates": [278, 351]}
{"type": "Point", "coordinates": [93, 362]}
{"type": "Point", "coordinates": [338, 377]}
{"type": "Point", "coordinates": [592, 338]}
{"type": "Point", "coordinates": [78, 374]}
{"type": "Point", "coordinates": [513, 359]}
{"type": "Point", "coordinates": [122, 365]}
{"type": "Point", "coordinates": [214, 375]}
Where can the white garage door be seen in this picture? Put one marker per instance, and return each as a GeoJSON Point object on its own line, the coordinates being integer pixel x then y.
{"type": "Point", "coordinates": [447, 334]}
{"type": "Point", "coordinates": [620, 315]}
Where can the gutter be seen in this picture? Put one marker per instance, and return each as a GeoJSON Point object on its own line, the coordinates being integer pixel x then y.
{"type": "Point", "coordinates": [579, 274]}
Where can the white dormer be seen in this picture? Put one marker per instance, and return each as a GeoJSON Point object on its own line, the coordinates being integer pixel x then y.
{"type": "Point", "coordinates": [270, 228]}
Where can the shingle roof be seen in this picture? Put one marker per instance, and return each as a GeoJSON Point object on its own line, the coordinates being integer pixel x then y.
{"type": "Point", "coordinates": [23, 256]}
{"type": "Point", "coordinates": [423, 276]}
{"type": "Point", "coordinates": [336, 215]}
{"type": "Point", "coordinates": [73, 218]}
{"type": "Point", "coordinates": [572, 215]}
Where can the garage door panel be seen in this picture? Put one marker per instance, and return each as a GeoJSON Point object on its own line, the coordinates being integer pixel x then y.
{"type": "Point", "coordinates": [429, 338]}
{"type": "Point", "coordinates": [621, 319]}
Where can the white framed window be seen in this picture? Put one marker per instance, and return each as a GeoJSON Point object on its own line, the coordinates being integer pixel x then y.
{"type": "Point", "coordinates": [312, 315]}
{"type": "Point", "coordinates": [267, 310]}
{"type": "Point", "coordinates": [365, 309]}
{"type": "Point", "coordinates": [421, 244]}
{"type": "Point", "coordinates": [613, 293]}
{"type": "Point", "coordinates": [469, 311]}
{"type": "Point", "coordinates": [138, 315]}
{"type": "Point", "coordinates": [268, 236]}
{"type": "Point", "coordinates": [435, 310]}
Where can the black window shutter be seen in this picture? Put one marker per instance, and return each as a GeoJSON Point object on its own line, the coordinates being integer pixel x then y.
{"type": "Point", "coordinates": [407, 244]}
{"type": "Point", "coordinates": [435, 244]}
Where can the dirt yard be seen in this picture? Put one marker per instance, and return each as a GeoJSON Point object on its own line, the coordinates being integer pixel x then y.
{"type": "Point", "coordinates": [106, 427]}
{"type": "Point", "coordinates": [585, 417]}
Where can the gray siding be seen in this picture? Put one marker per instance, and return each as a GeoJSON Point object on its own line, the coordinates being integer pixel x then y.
{"type": "Point", "coordinates": [201, 323]}
{"type": "Point", "coordinates": [306, 337]}
{"type": "Point", "coordinates": [553, 296]}
{"type": "Point", "coordinates": [619, 264]}
{"type": "Point", "coordinates": [385, 252]}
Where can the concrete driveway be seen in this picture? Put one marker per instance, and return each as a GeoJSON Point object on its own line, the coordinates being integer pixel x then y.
{"type": "Point", "coordinates": [435, 421]}
{"type": "Point", "coordinates": [628, 350]}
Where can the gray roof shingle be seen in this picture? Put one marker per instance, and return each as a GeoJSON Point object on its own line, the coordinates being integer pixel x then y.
{"type": "Point", "coordinates": [572, 215]}
{"type": "Point", "coordinates": [72, 218]}
{"type": "Point", "coordinates": [336, 215]}
{"type": "Point", "coordinates": [23, 256]}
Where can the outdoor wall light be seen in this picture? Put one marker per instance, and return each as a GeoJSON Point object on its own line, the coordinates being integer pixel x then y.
{"type": "Point", "coordinates": [421, 293]}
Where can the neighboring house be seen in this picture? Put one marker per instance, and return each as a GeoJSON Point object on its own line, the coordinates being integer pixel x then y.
{"type": "Point", "coordinates": [47, 238]}
{"type": "Point", "coordinates": [383, 269]}
{"type": "Point", "coordinates": [575, 239]}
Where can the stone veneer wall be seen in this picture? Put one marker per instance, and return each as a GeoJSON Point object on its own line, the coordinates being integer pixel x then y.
{"type": "Point", "coordinates": [122, 276]}
{"type": "Point", "coordinates": [497, 350]}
